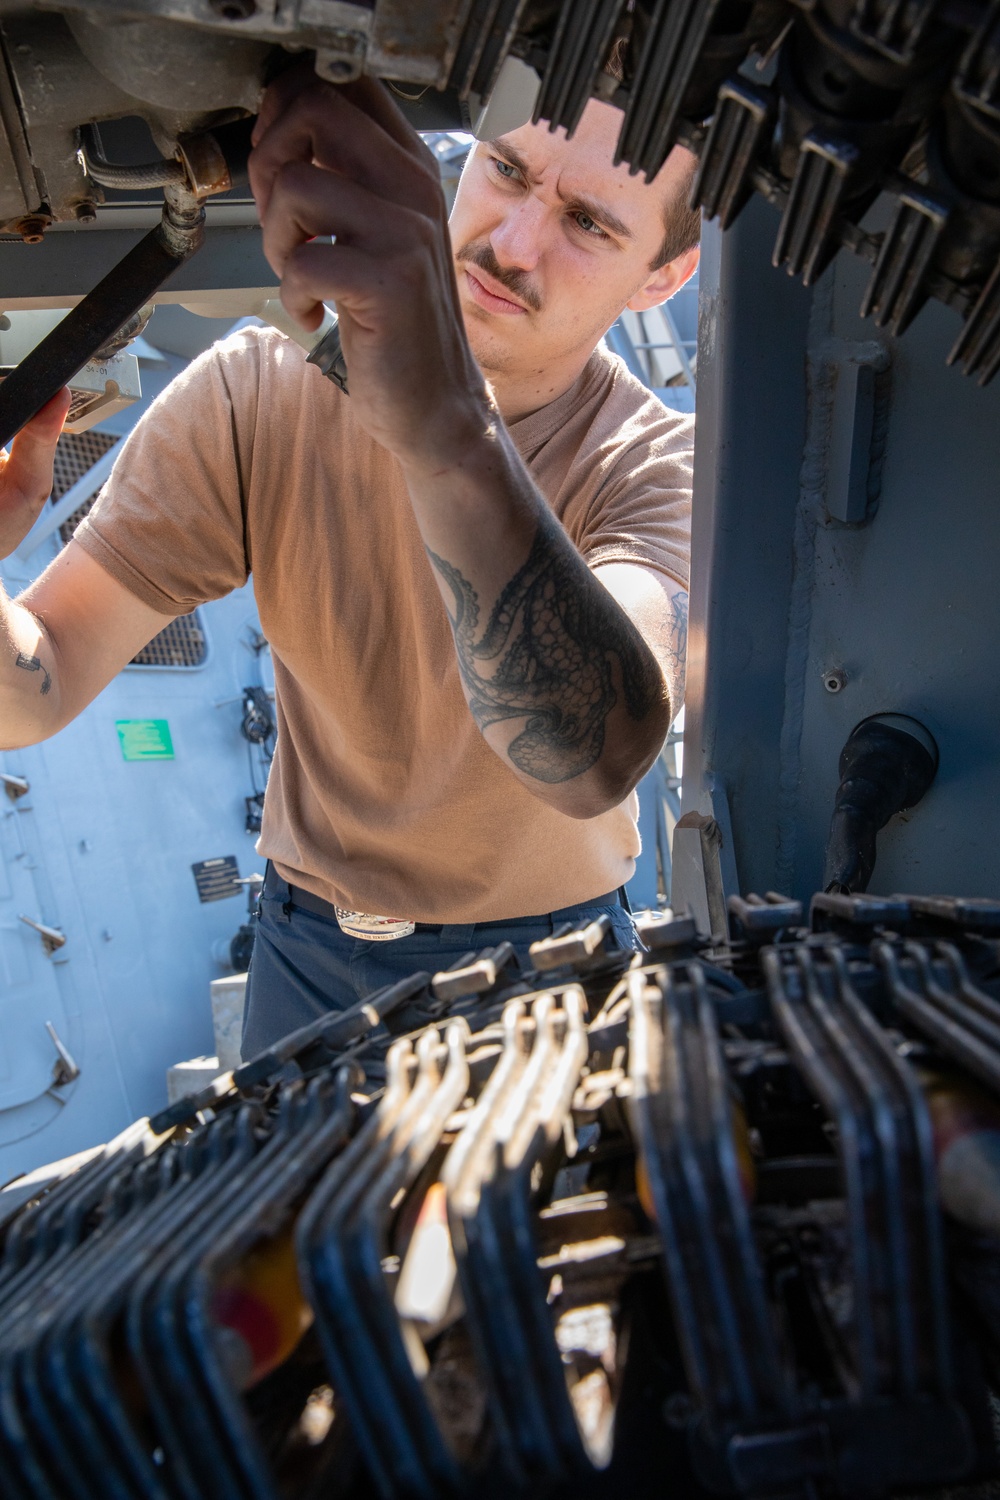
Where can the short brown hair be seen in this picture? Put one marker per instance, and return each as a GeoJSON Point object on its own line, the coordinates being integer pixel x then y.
{"type": "Point", "coordinates": [683, 224]}
{"type": "Point", "coordinates": [682, 229]}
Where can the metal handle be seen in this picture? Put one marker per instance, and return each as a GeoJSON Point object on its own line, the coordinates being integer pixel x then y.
{"type": "Point", "coordinates": [66, 1068]}
{"type": "Point", "coordinates": [51, 937]}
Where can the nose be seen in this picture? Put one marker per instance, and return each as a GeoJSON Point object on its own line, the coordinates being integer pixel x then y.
{"type": "Point", "coordinates": [518, 240]}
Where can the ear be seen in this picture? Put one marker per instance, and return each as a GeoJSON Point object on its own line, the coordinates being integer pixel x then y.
{"type": "Point", "coordinates": [665, 281]}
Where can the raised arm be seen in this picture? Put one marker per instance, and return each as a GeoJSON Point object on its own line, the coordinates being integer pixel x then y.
{"type": "Point", "coordinates": [564, 682]}
{"type": "Point", "coordinates": [64, 639]}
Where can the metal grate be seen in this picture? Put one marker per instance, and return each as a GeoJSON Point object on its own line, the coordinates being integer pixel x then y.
{"type": "Point", "coordinates": [181, 644]}
{"type": "Point", "coordinates": [76, 452]}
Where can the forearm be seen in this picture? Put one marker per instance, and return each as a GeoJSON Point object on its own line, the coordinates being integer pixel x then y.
{"type": "Point", "coordinates": [29, 692]}
{"type": "Point", "coordinates": [557, 677]}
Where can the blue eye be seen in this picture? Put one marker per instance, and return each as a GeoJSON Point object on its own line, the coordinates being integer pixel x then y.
{"type": "Point", "coordinates": [589, 226]}
{"type": "Point", "coordinates": [504, 168]}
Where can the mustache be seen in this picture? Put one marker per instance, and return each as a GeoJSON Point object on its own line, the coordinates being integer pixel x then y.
{"type": "Point", "coordinates": [515, 281]}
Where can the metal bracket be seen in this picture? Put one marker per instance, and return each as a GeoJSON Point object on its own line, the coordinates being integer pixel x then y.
{"type": "Point", "coordinates": [744, 117]}
{"type": "Point", "coordinates": [977, 80]}
{"type": "Point", "coordinates": [858, 375]}
{"type": "Point", "coordinates": [697, 872]}
{"type": "Point", "coordinates": [806, 241]}
{"type": "Point", "coordinates": [897, 289]}
{"type": "Point", "coordinates": [977, 348]}
{"type": "Point", "coordinates": [666, 66]}
{"type": "Point", "coordinates": [761, 918]}
{"type": "Point", "coordinates": [580, 44]}
{"type": "Point", "coordinates": [895, 28]}
{"type": "Point", "coordinates": [570, 947]}
{"type": "Point", "coordinates": [488, 968]}
{"type": "Point", "coordinates": [666, 929]}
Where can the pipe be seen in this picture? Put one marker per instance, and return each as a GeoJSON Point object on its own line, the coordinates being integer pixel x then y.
{"type": "Point", "coordinates": [94, 321]}
{"type": "Point", "coordinates": [117, 175]}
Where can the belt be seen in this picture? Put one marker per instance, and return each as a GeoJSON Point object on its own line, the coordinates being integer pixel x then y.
{"type": "Point", "coordinates": [306, 901]}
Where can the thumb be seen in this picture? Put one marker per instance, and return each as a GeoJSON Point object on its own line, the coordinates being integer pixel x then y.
{"type": "Point", "coordinates": [28, 467]}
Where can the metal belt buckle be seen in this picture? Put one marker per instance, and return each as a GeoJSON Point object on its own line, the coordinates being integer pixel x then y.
{"type": "Point", "coordinates": [372, 929]}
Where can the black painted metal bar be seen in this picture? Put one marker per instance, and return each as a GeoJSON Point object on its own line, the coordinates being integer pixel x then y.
{"type": "Point", "coordinates": [89, 325]}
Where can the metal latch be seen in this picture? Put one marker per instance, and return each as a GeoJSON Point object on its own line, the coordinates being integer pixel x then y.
{"type": "Point", "coordinates": [51, 937]}
{"type": "Point", "coordinates": [66, 1068]}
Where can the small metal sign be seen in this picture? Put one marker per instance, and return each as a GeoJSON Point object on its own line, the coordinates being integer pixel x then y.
{"type": "Point", "coordinates": [145, 739]}
{"type": "Point", "coordinates": [217, 878]}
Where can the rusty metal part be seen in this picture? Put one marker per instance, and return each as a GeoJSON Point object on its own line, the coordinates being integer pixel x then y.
{"type": "Point", "coordinates": [205, 166]}
{"type": "Point", "coordinates": [32, 228]}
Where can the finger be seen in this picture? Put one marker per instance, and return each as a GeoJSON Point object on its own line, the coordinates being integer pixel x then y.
{"type": "Point", "coordinates": [370, 96]}
{"type": "Point", "coordinates": [49, 418]}
{"type": "Point", "coordinates": [27, 469]}
{"type": "Point", "coordinates": [308, 201]}
{"type": "Point", "coordinates": [344, 274]}
{"type": "Point", "coordinates": [313, 274]}
{"type": "Point", "coordinates": [349, 276]}
{"type": "Point", "coordinates": [279, 94]}
{"type": "Point", "coordinates": [322, 125]}
{"type": "Point", "coordinates": [317, 274]}
{"type": "Point", "coordinates": [374, 100]}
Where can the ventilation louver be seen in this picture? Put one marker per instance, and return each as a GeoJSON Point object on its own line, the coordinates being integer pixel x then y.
{"type": "Point", "coordinates": [182, 643]}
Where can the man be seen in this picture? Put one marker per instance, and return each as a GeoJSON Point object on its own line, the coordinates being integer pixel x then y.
{"type": "Point", "coordinates": [474, 593]}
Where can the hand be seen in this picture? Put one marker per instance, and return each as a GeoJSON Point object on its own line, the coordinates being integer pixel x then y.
{"type": "Point", "coordinates": [342, 161]}
{"type": "Point", "coordinates": [26, 472]}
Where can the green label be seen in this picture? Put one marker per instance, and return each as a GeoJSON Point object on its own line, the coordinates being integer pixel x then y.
{"type": "Point", "coordinates": [145, 739]}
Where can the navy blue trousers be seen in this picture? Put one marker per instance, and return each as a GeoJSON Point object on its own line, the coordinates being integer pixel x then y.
{"type": "Point", "coordinates": [303, 966]}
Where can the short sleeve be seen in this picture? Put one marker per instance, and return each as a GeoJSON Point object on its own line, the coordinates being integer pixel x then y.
{"type": "Point", "coordinates": [641, 510]}
{"type": "Point", "coordinates": [170, 524]}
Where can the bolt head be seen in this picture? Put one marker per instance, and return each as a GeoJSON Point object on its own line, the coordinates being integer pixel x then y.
{"type": "Point", "coordinates": [32, 228]}
{"type": "Point", "coordinates": [835, 680]}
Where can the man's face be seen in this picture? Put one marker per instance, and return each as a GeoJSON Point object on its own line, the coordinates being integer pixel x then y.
{"type": "Point", "coordinates": [552, 242]}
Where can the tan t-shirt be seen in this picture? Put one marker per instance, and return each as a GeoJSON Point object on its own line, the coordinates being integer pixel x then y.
{"type": "Point", "coordinates": [383, 796]}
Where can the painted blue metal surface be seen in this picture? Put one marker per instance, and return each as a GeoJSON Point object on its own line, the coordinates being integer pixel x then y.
{"type": "Point", "coordinates": [806, 569]}
{"type": "Point", "coordinates": [101, 848]}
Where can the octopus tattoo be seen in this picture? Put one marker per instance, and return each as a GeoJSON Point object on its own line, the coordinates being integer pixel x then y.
{"type": "Point", "coordinates": [547, 655]}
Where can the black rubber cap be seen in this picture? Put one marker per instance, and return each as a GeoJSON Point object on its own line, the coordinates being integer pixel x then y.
{"type": "Point", "coordinates": [887, 764]}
